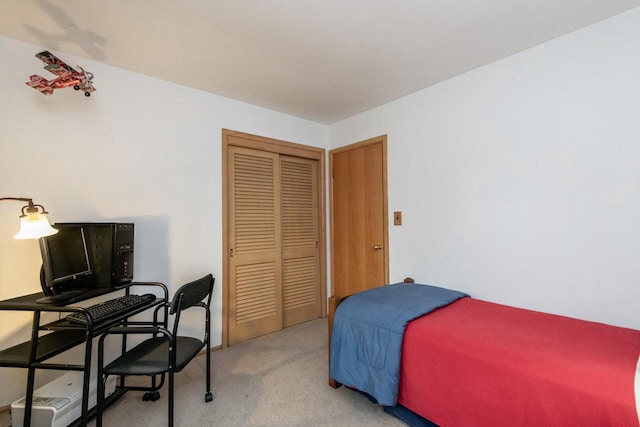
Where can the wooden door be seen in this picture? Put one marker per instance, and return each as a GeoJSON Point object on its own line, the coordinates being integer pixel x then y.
{"type": "Point", "coordinates": [359, 256]}
{"type": "Point", "coordinates": [255, 303]}
{"type": "Point", "coordinates": [300, 240]}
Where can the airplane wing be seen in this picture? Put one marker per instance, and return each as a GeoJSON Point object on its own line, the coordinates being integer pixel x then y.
{"type": "Point", "coordinates": [40, 84]}
{"type": "Point", "coordinates": [54, 64]}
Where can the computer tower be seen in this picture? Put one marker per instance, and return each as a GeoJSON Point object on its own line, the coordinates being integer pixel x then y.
{"type": "Point", "coordinates": [111, 248]}
{"type": "Point", "coordinates": [122, 265]}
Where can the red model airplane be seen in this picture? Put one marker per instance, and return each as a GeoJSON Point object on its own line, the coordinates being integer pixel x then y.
{"type": "Point", "coordinates": [67, 76]}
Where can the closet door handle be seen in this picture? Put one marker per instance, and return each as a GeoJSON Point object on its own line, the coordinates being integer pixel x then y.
{"type": "Point", "coordinates": [377, 247]}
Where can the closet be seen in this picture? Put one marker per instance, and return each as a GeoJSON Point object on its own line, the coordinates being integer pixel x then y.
{"type": "Point", "coordinates": [274, 235]}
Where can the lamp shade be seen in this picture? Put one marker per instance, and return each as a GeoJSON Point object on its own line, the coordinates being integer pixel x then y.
{"type": "Point", "coordinates": [34, 225]}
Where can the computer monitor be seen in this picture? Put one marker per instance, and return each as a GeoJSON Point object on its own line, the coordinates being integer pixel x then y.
{"type": "Point", "coordinates": [65, 261]}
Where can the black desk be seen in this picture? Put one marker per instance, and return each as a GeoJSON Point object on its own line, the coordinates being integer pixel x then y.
{"type": "Point", "coordinates": [56, 337]}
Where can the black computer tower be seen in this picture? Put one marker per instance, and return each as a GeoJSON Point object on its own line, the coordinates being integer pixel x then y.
{"type": "Point", "coordinates": [110, 247]}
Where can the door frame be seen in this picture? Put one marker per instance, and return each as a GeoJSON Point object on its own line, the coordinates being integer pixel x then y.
{"type": "Point", "coordinates": [256, 142]}
{"type": "Point", "coordinates": [382, 139]}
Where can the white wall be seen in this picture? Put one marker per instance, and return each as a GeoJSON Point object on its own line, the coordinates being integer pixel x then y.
{"type": "Point", "coordinates": [139, 149]}
{"type": "Point", "coordinates": [519, 182]}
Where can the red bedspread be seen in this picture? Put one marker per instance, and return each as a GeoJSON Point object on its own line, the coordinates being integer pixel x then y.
{"type": "Point", "coordinates": [475, 363]}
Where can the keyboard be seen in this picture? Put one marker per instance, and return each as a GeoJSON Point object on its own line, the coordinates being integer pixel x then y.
{"type": "Point", "coordinates": [112, 308]}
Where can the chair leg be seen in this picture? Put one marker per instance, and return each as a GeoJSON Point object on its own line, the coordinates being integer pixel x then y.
{"type": "Point", "coordinates": [150, 394]}
{"type": "Point", "coordinates": [154, 394]}
{"type": "Point", "coordinates": [208, 397]}
{"type": "Point", "coordinates": [170, 398]}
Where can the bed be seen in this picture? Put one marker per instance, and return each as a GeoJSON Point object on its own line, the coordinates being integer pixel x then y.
{"type": "Point", "coordinates": [461, 361]}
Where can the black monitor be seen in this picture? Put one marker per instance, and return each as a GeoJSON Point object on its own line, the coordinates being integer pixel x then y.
{"type": "Point", "coordinates": [65, 261]}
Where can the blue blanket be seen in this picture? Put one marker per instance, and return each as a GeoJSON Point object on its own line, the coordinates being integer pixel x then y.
{"type": "Point", "coordinates": [368, 329]}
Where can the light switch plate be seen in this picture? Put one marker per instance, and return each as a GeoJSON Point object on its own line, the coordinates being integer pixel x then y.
{"type": "Point", "coordinates": [397, 218]}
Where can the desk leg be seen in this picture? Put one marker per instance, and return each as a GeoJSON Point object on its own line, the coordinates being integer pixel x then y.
{"type": "Point", "coordinates": [86, 380]}
{"type": "Point", "coordinates": [31, 375]}
{"type": "Point", "coordinates": [28, 399]}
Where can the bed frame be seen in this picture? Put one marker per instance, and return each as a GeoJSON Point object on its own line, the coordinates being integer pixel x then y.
{"type": "Point", "coordinates": [334, 302]}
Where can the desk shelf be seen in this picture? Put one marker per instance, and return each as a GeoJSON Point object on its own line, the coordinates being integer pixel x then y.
{"type": "Point", "coordinates": [48, 346]}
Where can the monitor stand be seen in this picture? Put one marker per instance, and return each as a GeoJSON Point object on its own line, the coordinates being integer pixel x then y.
{"type": "Point", "coordinates": [61, 298]}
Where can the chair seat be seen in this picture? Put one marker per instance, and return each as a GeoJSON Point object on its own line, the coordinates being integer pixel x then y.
{"type": "Point", "coordinates": [151, 357]}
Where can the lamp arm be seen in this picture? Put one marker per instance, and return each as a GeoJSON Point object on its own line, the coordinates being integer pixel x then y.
{"type": "Point", "coordinates": [19, 199]}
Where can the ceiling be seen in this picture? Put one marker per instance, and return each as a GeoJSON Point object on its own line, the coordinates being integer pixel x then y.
{"type": "Point", "coordinates": [322, 60]}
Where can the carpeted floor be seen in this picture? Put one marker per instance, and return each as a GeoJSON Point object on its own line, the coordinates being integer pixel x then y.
{"type": "Point", "coordinates": [276, 380]}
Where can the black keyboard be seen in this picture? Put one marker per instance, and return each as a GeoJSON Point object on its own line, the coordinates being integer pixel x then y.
{"type": "Point", "coordinates": [111, 308]}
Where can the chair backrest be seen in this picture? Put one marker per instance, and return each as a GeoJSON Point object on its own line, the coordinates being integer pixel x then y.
{"type": "Point", "coordinates": [192, 294]}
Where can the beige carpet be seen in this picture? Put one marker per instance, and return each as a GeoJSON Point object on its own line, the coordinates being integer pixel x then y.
{"type": "Point", "coordinates": [276, 380]}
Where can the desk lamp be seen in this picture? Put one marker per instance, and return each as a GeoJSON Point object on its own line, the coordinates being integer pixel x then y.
{"type": "Point", "coordinates": [33, 221]}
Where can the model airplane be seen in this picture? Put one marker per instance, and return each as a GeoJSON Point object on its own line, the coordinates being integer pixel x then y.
{"type": "Point", "coordinates": [67, 76]}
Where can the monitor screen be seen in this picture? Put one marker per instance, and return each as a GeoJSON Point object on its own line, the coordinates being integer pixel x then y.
{"type": "Point", "coordinates": [65, 259]}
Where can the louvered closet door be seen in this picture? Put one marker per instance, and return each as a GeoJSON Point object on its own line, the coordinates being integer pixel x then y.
{"type": "Point", "coordinates": [255, 294]}
{"type": "Point", "coordinates": [300, 254]}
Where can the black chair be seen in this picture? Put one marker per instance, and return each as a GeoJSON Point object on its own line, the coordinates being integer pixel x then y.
{"type": "Point", "coordinates": [165, 352]}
